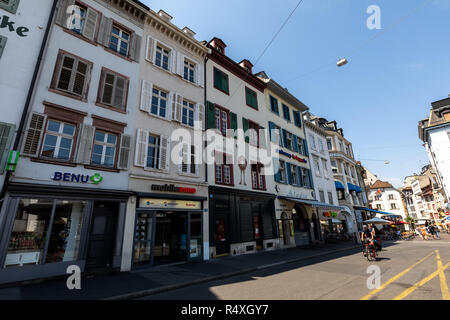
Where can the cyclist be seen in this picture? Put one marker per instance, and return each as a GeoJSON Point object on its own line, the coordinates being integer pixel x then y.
{"type": "Point", "coordinates": [367, 236]}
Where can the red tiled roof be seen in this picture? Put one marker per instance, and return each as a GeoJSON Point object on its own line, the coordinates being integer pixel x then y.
{"type": "Point", "coordinates": [381, 184]}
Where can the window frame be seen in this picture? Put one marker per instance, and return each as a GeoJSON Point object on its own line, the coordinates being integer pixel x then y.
{"type": "Point", "coordinates": [11, 6]}
{"type": "Point", "coordinates": [222, 169]}
{"type": "Point", "coordinates": [157, 150]}
{"type": "Point", "coordinates": [194, 73]}
{"type": "Point", "coordinates": [187, 107]}
{"type": "Point", "coordinates": [217, 70]}
{"type": "Point", "coordinates": [101, 90]}
{"type": "Point", "coordinates": [54, 86]}
{"type": "Point", "coordinates": [72, 147]}
{"type": "Point", "coordinates": [158, 111]}
{"type": "Point", "coordinates": [163, 48]}
{"type": "Point", "coordinates": [286, 112]}
{"type": "Point", "coordinates": [104, 146]}
{"type": "Point", "coordinates": [192, 157]}
{"type": "Point", "coordinates": [122, 29]}
{"type": "Point", "coordinates": [254, 127]}
{"type": "Point", "coordinates": [251, 92]}
{"type": "Point", "coordinates": [259, 176]}
{"type": "Point", "coordinates": [273, 100]}
{"type": "Point", "coordinates": [282, 168]}
{"type": "Point", "coordinates": [222, 110]}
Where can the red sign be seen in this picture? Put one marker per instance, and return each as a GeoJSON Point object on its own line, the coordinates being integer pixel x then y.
{"type": "Point", "coordinates": [298, 158]}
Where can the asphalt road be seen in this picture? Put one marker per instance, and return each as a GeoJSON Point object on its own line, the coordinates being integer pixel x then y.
{"type": "Point", "coordinates": [408, 270]}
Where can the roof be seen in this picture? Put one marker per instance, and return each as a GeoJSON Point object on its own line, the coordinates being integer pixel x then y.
{"type": "Point", "coordinates": [381, 184]}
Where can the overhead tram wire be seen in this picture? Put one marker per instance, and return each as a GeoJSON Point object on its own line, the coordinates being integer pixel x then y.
{"type": "Point", "coordinates": [266, 48]}
{"type": "Point", "coordinates": [365, 43]}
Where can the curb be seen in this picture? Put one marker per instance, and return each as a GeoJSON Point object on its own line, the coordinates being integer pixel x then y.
{"type": "Point", "coordinates": [149, 292]}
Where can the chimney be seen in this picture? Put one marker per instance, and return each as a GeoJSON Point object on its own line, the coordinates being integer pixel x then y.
{"type": "Point", "coordinates": [218, 45]}
{"type": "Point", "coordinates": [164, 15]}
{"type": "Point", "coordinates": [189, 32]}
{"type": "Point", "coordinates": [247, 65]}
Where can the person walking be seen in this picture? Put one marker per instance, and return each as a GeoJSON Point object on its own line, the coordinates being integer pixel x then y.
{"type": "Point", "coordinates": [437, 231]}
{"type": "Point", "coordinates": [432, 232]}
{"type": "Point", "coordinates": [424, 233]}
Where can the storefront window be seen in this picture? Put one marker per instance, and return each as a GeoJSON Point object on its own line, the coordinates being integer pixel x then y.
{"type": "Point", "coordinates": [196, 236]}
{"type": "Point", "coordinates": [39, 222]}
{"type": "Point", "coordinates": [143, 243]}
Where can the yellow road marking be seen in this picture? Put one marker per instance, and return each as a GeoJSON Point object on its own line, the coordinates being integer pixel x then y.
{"type": "Point", "coordinates": [421, 283]}
{"type": "Point", "coordinates": [384, 285]}
{"type": "Point", "coordinates": [442, 278]}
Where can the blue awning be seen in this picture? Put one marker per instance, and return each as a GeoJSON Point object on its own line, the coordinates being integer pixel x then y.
{"type": "Point", "coordinates": [314, 203]}
{"type": "Point", "coordinates": [339, 185]}
{"type": "Point", "coordinates": [351, 187]}
{"type": "Point", "coordinates": [358, 189]}
{"type": "Point", "coordinates": [371, 210]}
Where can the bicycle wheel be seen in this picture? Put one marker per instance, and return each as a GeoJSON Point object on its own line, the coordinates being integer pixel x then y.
{"type": "Point", "coordinates": [368, 255]}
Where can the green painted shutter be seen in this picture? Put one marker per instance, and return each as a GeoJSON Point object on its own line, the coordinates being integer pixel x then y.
{"type": "Point", "coordinates": [245, 128]}
{"type": "Point", "coordinates": [2, 44]}
{"type": "Point", "coordinates": [6, 136]}
{"type": "Point", "coordinates": [211, 115]}
{"type": "Point", "coordinates": [225, 83]}
{"type": "Point", "coordinates": [10, 6]}
{"type": "Point", "coordinates": [217, 78]}
{"type": "Point", "coordinates": [233, 123]}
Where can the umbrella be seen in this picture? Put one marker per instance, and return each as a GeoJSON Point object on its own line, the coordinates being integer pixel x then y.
{"type": "Point", "coordinates": [377, 221]}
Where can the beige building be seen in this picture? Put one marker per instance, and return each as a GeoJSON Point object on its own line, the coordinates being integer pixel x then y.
{"type": "Point", "coordinates": [168, 220]}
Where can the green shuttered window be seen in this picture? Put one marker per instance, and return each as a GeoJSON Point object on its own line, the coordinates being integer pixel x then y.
{"type": "Point", "coordinates": [221, 81]}
{"type": "Point", "coordinates": [251, 99]}
{"type": "Point", "coordinates": [9, 5]}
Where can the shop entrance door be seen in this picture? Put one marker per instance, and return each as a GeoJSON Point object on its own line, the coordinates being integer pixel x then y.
{"type": "Point", "coordinates": [102, 235]}
{"type": "Point", "coordinates": [170, 237]}
{"type": "Point", "coordinates": [222, 242]}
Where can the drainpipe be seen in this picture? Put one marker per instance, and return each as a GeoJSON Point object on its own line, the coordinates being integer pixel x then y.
{"type": "Point", "coordinates": [29, 96]}
{"type": "Point", "coordinates": [206, 113]}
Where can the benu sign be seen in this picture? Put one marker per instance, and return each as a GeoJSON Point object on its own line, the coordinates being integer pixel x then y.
{"type": "Point", "coordinates": [79, 178]}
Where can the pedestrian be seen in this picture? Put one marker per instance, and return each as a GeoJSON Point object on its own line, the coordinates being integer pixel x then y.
{"type": "Point", "coordinates": [437, 231]}
{"type": "Point", "coordinates": [431, 231]}
{"type": "Point", "coordinates": [424, 233]}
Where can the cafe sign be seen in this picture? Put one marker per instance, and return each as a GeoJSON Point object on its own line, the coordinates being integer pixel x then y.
{"type": "Point", "coordinates": [169, 204]}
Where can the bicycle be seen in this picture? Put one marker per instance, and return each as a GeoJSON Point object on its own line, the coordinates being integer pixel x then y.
{"type": "Point", "coordinates": [370, 252]}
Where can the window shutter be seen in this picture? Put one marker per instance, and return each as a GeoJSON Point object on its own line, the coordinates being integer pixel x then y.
{"type": "Point", "coordinates": [311, 183]}
{"type": "Point", "coordinates": [295, 143]}
{"type": "Point", "coordinates": [104, 33]}
{"type": "Point", "coordinates": [119, 92]}
{"type": "Point", "coordinates": [85, 144]}
{"type": "Point", "coordinates": [146, 95]}
{"type": "Point", "coordinates": [90, 25]}
{"type": "Point", "coordinates": [164, 155]}
{"type": "Point", "coordinates": [62, 17]}
{"type": "Point", "coordinates": [200, 74]}
{"type": "Point", "coordinates": [262, 137]}
{"type": "Point", "coordinates": [199, 116]}
{"type": "Point", "coordinates": [184, 156]}
{"type": "Point", "coordinates": [233, 123]}
{"type": "Point", "coordinates": [2, 44]}
{"type": "Point", "coordinates": [245, 129]}
{"type": "Point", "coordinates": [180, 64]}
{"type": "Point", "coordinates": [135, 48]}
{"type": "Point", "coordinates": [34, 133]}
{"type": "Point", "coordinates": [211, 115]}
{"type": "Point", "coordinates": [10, 6]}
{"type": "Point", "coordinates": [271, 131]}
{"type": "Point", "coordinates": [284, 138]}
{"type": "Point", "coordinates": [149, 51]}
{"type": "Point", "coordinates": [305, 147]}
{"type": "Point", "coordinates": [6, 136]}
{"type": "Point", "coordinates": [299, 176]}
{"type": "Point", "coordinates": [177, 105]}
{"type": "Point", "coordinates": [173, 61]}
{"type": "Point", "coordinates": [276, 170]}
{"type": "Point", "coordinates": [140, 158]}
{"type": "Point", "coordinates": [288, 173]}
{"type": "Point", "coordinates": [124, 153]}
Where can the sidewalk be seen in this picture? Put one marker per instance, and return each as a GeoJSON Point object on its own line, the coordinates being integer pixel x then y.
{"type": "Point", "coordinates": [139, 283]}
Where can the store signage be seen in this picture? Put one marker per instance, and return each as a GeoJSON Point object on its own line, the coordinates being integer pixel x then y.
{"type": "Point", "coordinates": [13, 159]}
{"type": "Point", "coordinates": [5, 22]}
{"type": "Point", "coordinates": [172, 188]}
{"type": "Point", "coordinates": [293, 156]}
{"type": "Point", "coordinates": [169, 204]}
{"type": "Point", "coordinates": [79, 178]}
{"type": "Point", "coordinates": [330, 214]}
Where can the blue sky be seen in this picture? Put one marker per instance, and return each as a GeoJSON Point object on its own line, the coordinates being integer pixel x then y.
{"type": "Point", "coordinates": [377, 98]}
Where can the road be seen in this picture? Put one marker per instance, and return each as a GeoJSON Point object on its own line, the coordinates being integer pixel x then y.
{"type": "Point", "coordinates": [410, 270]}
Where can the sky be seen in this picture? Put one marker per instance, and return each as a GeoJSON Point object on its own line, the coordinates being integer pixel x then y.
{"type": "Point", "coordinates": [378, 98]}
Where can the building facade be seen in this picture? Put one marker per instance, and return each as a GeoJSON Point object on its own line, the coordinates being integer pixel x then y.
{"type": "Point", "coordinates": [66, 203]}
{"type": "Point", "coordinates": [435, 133]}
{"type": "Point", "coordinates": [167, 219]}
{"type": "Point", "coordinates": [384, 197]}
{"type": "Point", "coordinates": [22, 36]}
{"type": "Point", "coordinates": [241, 198]}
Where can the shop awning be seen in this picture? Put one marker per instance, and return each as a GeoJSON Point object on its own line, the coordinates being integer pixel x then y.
{"type": "Point", "coordinates": [351, 187]}
{"type": "Point", "coordinates": [338, 185]}
{"type": "Point", "coordinates": [376, 211]}
{"type": "Point", "coordinates": [313, 203]}
{"type": "Point", "coordinates": [333, 220]}
{"type": "Point", "coordinates": [358, 188]}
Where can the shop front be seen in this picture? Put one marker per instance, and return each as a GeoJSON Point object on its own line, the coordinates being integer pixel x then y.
{"type": "Point", "coordinates": [46, 228]}
{"type": "Point", "coordinates": [168, 229]}
{"type": "Point", "coordinates": [241, 222]}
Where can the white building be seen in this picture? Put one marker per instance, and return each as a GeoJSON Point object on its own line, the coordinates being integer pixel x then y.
{"type": "Point", "coordinates": [435, 133]}
{"type": "Point", "coordinates": [385, 198]}
{"type": "Point", "coordinates": [168, 220]}
{"type": "Point", "coordinates": [21, 40]}
{"type": "Point", "coordinates": [66, 203]}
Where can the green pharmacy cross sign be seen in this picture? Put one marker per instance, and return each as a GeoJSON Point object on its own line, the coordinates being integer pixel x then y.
{"type": "Point", "coordinates": [13, 159]}
{"type": "Point", "coordinates": [96, 178]}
